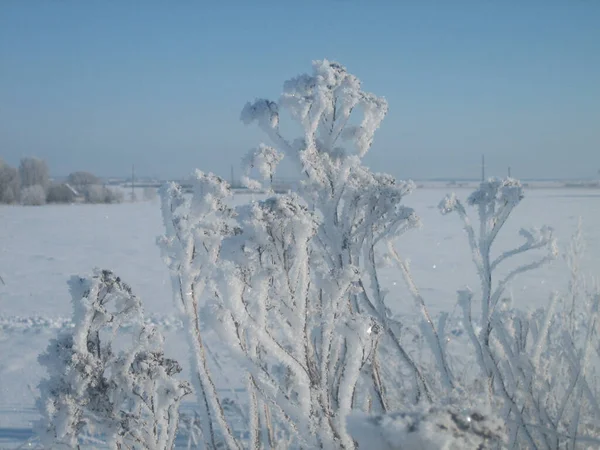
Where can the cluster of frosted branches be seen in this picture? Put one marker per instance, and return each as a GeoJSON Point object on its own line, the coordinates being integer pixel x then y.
{"type": "Point", "coordinates": [130, 398]}
{"type": "Point", "coordinates": [264, 159]}
{"type": "Point", "coordinates": [357, 209]}
{"type": "Point", "coordinates": [292, 285]}
{"type": "Point", "coordinates": [191, 247]}
{"type": "Point", "coordinates": [303, 347]}
{"type": "Point", "coordinates": [539, 365]}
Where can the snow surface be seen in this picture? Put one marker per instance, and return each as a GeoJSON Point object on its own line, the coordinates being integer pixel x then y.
{"type": "Point", "coordinates": [41, 247]}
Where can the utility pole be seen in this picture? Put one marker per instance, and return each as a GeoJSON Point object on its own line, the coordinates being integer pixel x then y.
{"type": "Point", "coordinates": [508, 171]}
{"type": "Point", "coordinates": [232, 178]}
{"type": "Point", "coordinates": [483, 168]}
{"type": "Point", "coordinates": [133, 182]}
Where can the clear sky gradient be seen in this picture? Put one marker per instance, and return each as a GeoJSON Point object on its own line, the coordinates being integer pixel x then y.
{"type": "Point", "coordinates": [99, 85]}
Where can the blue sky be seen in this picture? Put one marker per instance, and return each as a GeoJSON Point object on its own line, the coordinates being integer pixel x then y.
{"type": "Point", "coordinates": [99, 85]}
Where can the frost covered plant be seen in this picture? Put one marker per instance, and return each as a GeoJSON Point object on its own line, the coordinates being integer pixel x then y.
{"type": "Point", "coordinates": [292, 283]}
{"type": "Point", "coordinates": [553, 367]}
{"type": "Point", "coordinates": [357, 209]}
{"type": "Point", "coordinates": [538, 366]}
{"type": "Point", "coordinates": [264, 159]}
{"type": "Point", "coordinates": [128, 398]}
{"type": "Point", "coordinates": [495, 200]}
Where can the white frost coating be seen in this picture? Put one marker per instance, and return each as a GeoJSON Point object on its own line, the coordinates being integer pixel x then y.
{"type": "Point", "coordinates": [265, 159]}
{"type": "Point", "coordinates": [130, 398]}
{"type": "Point", "coordinates": [323, 103]}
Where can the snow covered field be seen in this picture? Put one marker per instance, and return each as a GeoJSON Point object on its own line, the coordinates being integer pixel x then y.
{"type": "Point", "coordinates": [41, 247]}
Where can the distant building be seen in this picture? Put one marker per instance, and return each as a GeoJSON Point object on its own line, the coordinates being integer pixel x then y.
{"type": "Point", "coordinates": [74, 191]}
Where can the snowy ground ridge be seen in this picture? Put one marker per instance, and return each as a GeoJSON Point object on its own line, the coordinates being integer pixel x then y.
{"type": "Point", "coordinates": [36, 324]}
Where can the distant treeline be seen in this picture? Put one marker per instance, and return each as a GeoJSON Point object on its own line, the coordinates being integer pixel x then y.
{"type": "Point", "coordinates": [30, 184]}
